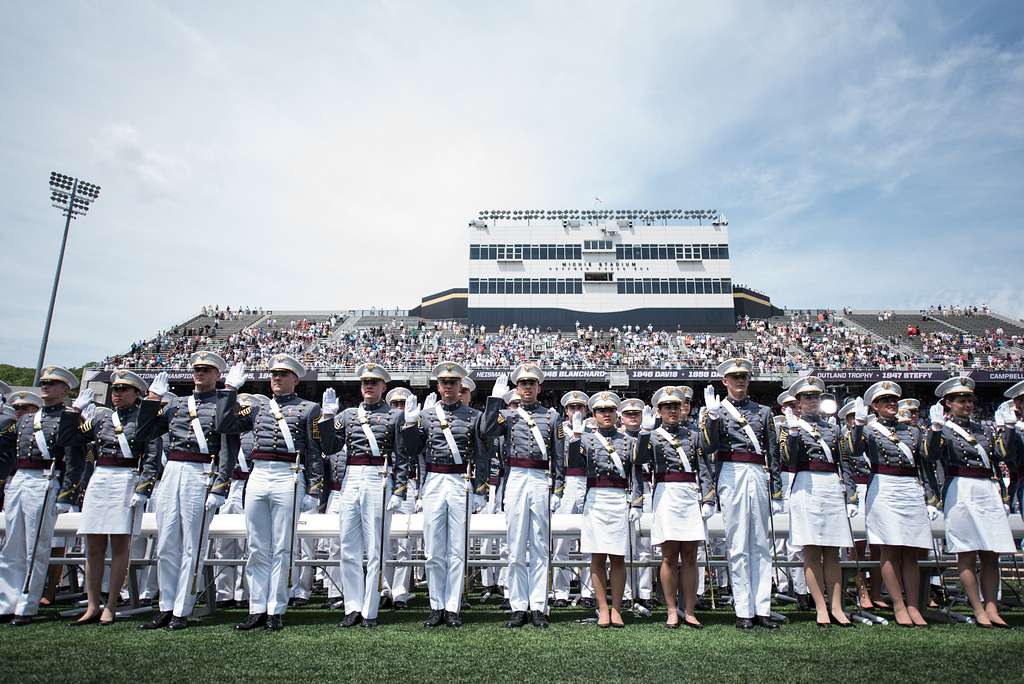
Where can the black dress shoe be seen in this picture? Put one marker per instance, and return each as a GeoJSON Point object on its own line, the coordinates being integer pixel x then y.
{"type": "Point", "coordinates": [351, 620]}
{"type": "Point", "coordinates": [386, 602]}
{"type": "Point", "coordinates": [88, 621]}
{"type": "Point", "coordinates": [744, 623]}
{"type": "Point", "coordinates": [297, 602]}
{"type": "Point", "coordinates": [645, 604]}
{"type": "Point", "coordinates": [436, 619]}
{"type": "Point", "coordinates": [837, 623]}
{"type": "Point", "coordinates": [539, 619]}
{"type": "Point", "coordinates": [21, 620]}
{"type": "Point", "coordinates": [691, 625]}
{"type": "Point", "coordinates": [587, 602]}
{"type": "Point", "coordinates": [178, 623]}
{"type": "Point", "coordinates": [222, 605]}
{"type": "Point", "coordinates": [671, 625]}
{"type": "Point", "coordinates": [506, 606]}
{"type": "Point", "coordinates": [823, 625]}
{"type": "Point", "coordinates": [517, 619]}
{"type": "Point", "coordinates": [1001, 625]}
{"type": "Point", "coordinates": [159, 621]}
{"type": "Point", "coordinates": [252, 622]}
{"type": "Point", "coordinates": [804, 602]}
{"type": "Point", "coordinates": [274, 623]}
{"type": "Point", "coordinates": [766, 622]}
{"type": "Point", "coordinates": [452, 619]}
{"type": "Point", "coordinates": [6, 617]}
{"type": "Point", "coordinates": [400, 605]}
{"type": "Point", "coordinates": [369, 623]}
{"type": "Point", "coordinates": [560, 603]}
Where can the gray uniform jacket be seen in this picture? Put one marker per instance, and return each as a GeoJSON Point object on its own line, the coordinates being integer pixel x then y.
{"type": "Point", "coordinates": [521, 447]}
{"type": "Point", "coordinates": [960, 457]}
{"type": "Point", "coordinates": [310, 434]}
{"type": "Point", "coordinates": [802, 451]}
{"type": "Point", "coordinates": [883, 453]}
{"type": "Point", "coordinates": [724, 435]}
{"type": "Point", "coordinates": [385, 424]}
{"type": "Point", "coordinates": [18, 444]}
{"type": "Point", "coordinates": [660, 457]}
{"type": "Point", "coordinates": [427, 439]}
{"type": "Point", "coordinates": [600, 465]}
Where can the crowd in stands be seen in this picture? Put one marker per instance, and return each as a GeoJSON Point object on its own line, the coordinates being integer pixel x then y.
{"type": "Point", "coordinates": [797, 341]}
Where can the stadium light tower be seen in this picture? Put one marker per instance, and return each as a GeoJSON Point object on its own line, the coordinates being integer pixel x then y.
{"type": "Point", "coordinates": [73, 197]}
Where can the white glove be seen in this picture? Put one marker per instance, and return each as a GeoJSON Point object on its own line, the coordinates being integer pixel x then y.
{"type": "Point", "coordinates": [479, 501]}
{"type": "Point", "coordinates": [88, 412]}
{"type": "Point", "coordinates": [62, 508]}
{"type": "Point", "coordinates": [329, 403]}
{"type": "Point", "coordinates": [831, 420]}
{"type": "Point", "coordinates": [395, 502]}
{"type": "Point", "coordinates": [428, 403]}
{"type": "Point", "coordinates": [412, 409]}
{"type": "Point", "coordinates": [160, 385]}
{"type": "Point", "coordinates": [84, 398]}
{"type": "Point", "coordinates": [648, 421]}
{"type": "Point", "coordinates": [706, 511]}
{"type": "Point", "coordinates": [555, 502]}
{"type": "Point", "coordinates": [214, 501]}
{"type": "Point", "coordinates": [236, 376]}
{"type": "Point", "coordinates": [937, 416]}
{"type": "Point", "coordinates": [1000, 418]}
{"type": "Point", "coordinates": [1009, 417]}
{"type": "Point", "coordinates": [933, 513]}
{"type": "Point", "coordinates": [711, 402]}
{"type": "Point", "coordinates": [577, 425]}
{"type": "Point", "coordinates": [138, 500]}
{"type": "Point", "coordinates": [777, 506]}
{"type": "Point", "coordinates": [634, 514]}
{"type": "Point", "coordinates": [500, 388]}
{"type": "Point", "coordinates": [419, 505]}
{"type": "Point", "coordinates": [310, 503]}
{"type": "Point", "coordinates": [852, 510]}
{"type": "Point", "coordinates": [791, 422]}
{"type": "Point", "coordinates": [860, 411]}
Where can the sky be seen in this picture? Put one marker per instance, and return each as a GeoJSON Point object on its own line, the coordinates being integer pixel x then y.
{"type": "Point", "coordinates": [329, 155]}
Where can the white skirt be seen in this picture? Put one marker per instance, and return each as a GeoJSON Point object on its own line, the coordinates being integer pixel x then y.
{"type": "Point", "coordinates": [105, 508]}
{"type": "Point", "coordinates": [605, 524]}
{"type": "Point", "coordinates": [817, 511]}
{"type": "Point", "coordinates": [975, 517]}
{"type": "Point", "coordinates": [896, 512]}
{"type": "Point", "coordinates": [677, 513]}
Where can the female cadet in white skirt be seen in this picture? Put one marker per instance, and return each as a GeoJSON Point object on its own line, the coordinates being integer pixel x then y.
{"type": "Point", "coordinates": [860, 469]}
{"type": "Point", "coordinates": [683, 497]}
{"type": "Point", "coordinates": [611, 504]}
{"type": "Point", "coordinates": [900, 502]}
{"type": "Point", "coordinates": [822, 498]}
{"type": "Point", "coordinates": [120, 484]}
{"type": "Point", "coordinates": [975, 510]}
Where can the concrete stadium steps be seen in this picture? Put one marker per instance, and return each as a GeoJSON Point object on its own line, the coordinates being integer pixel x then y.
{"type": "Point", "coordinates": [857, 327]}
{"type": "Point", "coordinates": [978, 324]}
{"type": "Point", "coordinates": [897, 325]}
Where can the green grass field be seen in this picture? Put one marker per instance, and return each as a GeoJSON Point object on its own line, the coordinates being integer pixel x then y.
{"type": "Point", "coordinates": [400, 649]}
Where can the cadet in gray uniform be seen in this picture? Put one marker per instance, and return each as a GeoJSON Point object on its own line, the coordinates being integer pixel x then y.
{"type": "Point", "coordinates": [573, 495]}
{"type": "Point", "coordinates": [900, 502]}
{"type": "Point", "coordinates": [976, 505]}
{"type": "Point", "coordinates": [533, 487]}
{"type": "Point", "coordinates": [371, 433]}
{"type": "Point", "coordinates": [822, 500]}
{"type": "Point", "coordinates": [739, 434]}
{"type": "Point", "coordinates": [193, 451]}
{"type": "Point", "coordinates": [447, 435]}
{"type": "Point", "coordinates": [44, 485]}
{"type": "Point", "coordinates": [289, 434]}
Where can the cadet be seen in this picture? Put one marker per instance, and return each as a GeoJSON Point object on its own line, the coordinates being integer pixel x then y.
{"type": "Point", "coordinates": [860, 470]}
{"type": "Point", "coordinates": [399, 577]}
{"type": "Point", "coordinates": [492, 575]}
{"type": "Point", "coordinates": [823, 498]}
{"type": "Point", "coordinates": [574, 493]}
{"type": "Point", "coordinates": [791, 580]}
{"type": "Point", "coordinates": [611, 507]}
{"type": "Point", "coordinates": [448, 435]}
{"type": "Point", "coordinates": [119, 486]}
{"type": "Point", "coordinates": [376, 469]}
{"type": "Point", "coordinates": [900, 502]}
{"type": "Point", "coordinates": [44, 485]}
{"type": "Point", "coordinates": [533, 487]}
{"type": "Point", "coordinates": [196, 478]}
{"type": "Point", "coordinates": [289, 434]}
{"type": "Point", "coordinates": [683, 498]}
{"type": "Point", "coordinates": [631, 414]}
{"type": "Point", "coordinates": [975, 510]}
{"type": "Point", "coordinates": [741, 434]}
{"type": "Point", "coordinates": [1015, 405]}
{"type": "Point", "coordinates": [466, 393]}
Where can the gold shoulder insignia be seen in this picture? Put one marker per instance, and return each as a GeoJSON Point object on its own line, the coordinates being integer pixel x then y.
{"type": "Point", "coordinates": [244, 410]}
{"type": "Point", "coordinates": [11, 428]}
{"type": "Point", "coordinates": [560, 431]}
{"type": "Point", "coordinates": [316, 431]}
{"type": "Point", "coordinates": [86, 426]}
{"type": "Point", "coordinates": [501, 419]}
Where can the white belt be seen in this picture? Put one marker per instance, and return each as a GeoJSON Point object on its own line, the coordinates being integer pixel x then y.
{"type": "Point", "coordinates": [282, 425]}
{"type": "Point", "coordinates": [122, 441]}
{"type": "Point", "coordinates": [448, 436]}
{"type": "Point", "coordinates": [197, 427]}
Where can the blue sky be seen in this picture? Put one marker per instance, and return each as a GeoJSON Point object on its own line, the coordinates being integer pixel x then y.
{"type": "Point", "coordinates": [328, 155]}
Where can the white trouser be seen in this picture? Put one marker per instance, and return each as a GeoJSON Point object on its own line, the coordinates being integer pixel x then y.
{"type": "Point", "coordinates": [444, 538]}
{"type": "Point", "coordinates": [642, 552]}
{"type": "Point", "coordinates": [302, 579]}
{"type": "Point", "coordinates": [499, 499]}
{"type": "Point", "coordinates": [180, 502]}
{"type": "Point", "coordinates": [23, 506]}
{"type": "Point", "coordinates": [488, 545]}
{"type": "Point", "coordinates": [230, 586]}
{"type": "Point", "coordinates": [400, 577]}
{"type": "Point", "coordinates": [527, 514]}
{"type": "Point", "coordinates": [359, 525]}
{"type": "Point", "coordinates": [785, 548]}
{"type": "Point", "coordinates": [743, 494]}
{"type": "Point", "coordinates": [572, 503]}
{"type": "Point", "coordinates": [269, 498]}
{"type": "Point", "coordinates": [145, 547]}
{"type": "Point", "coordinates": [333, 549]}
